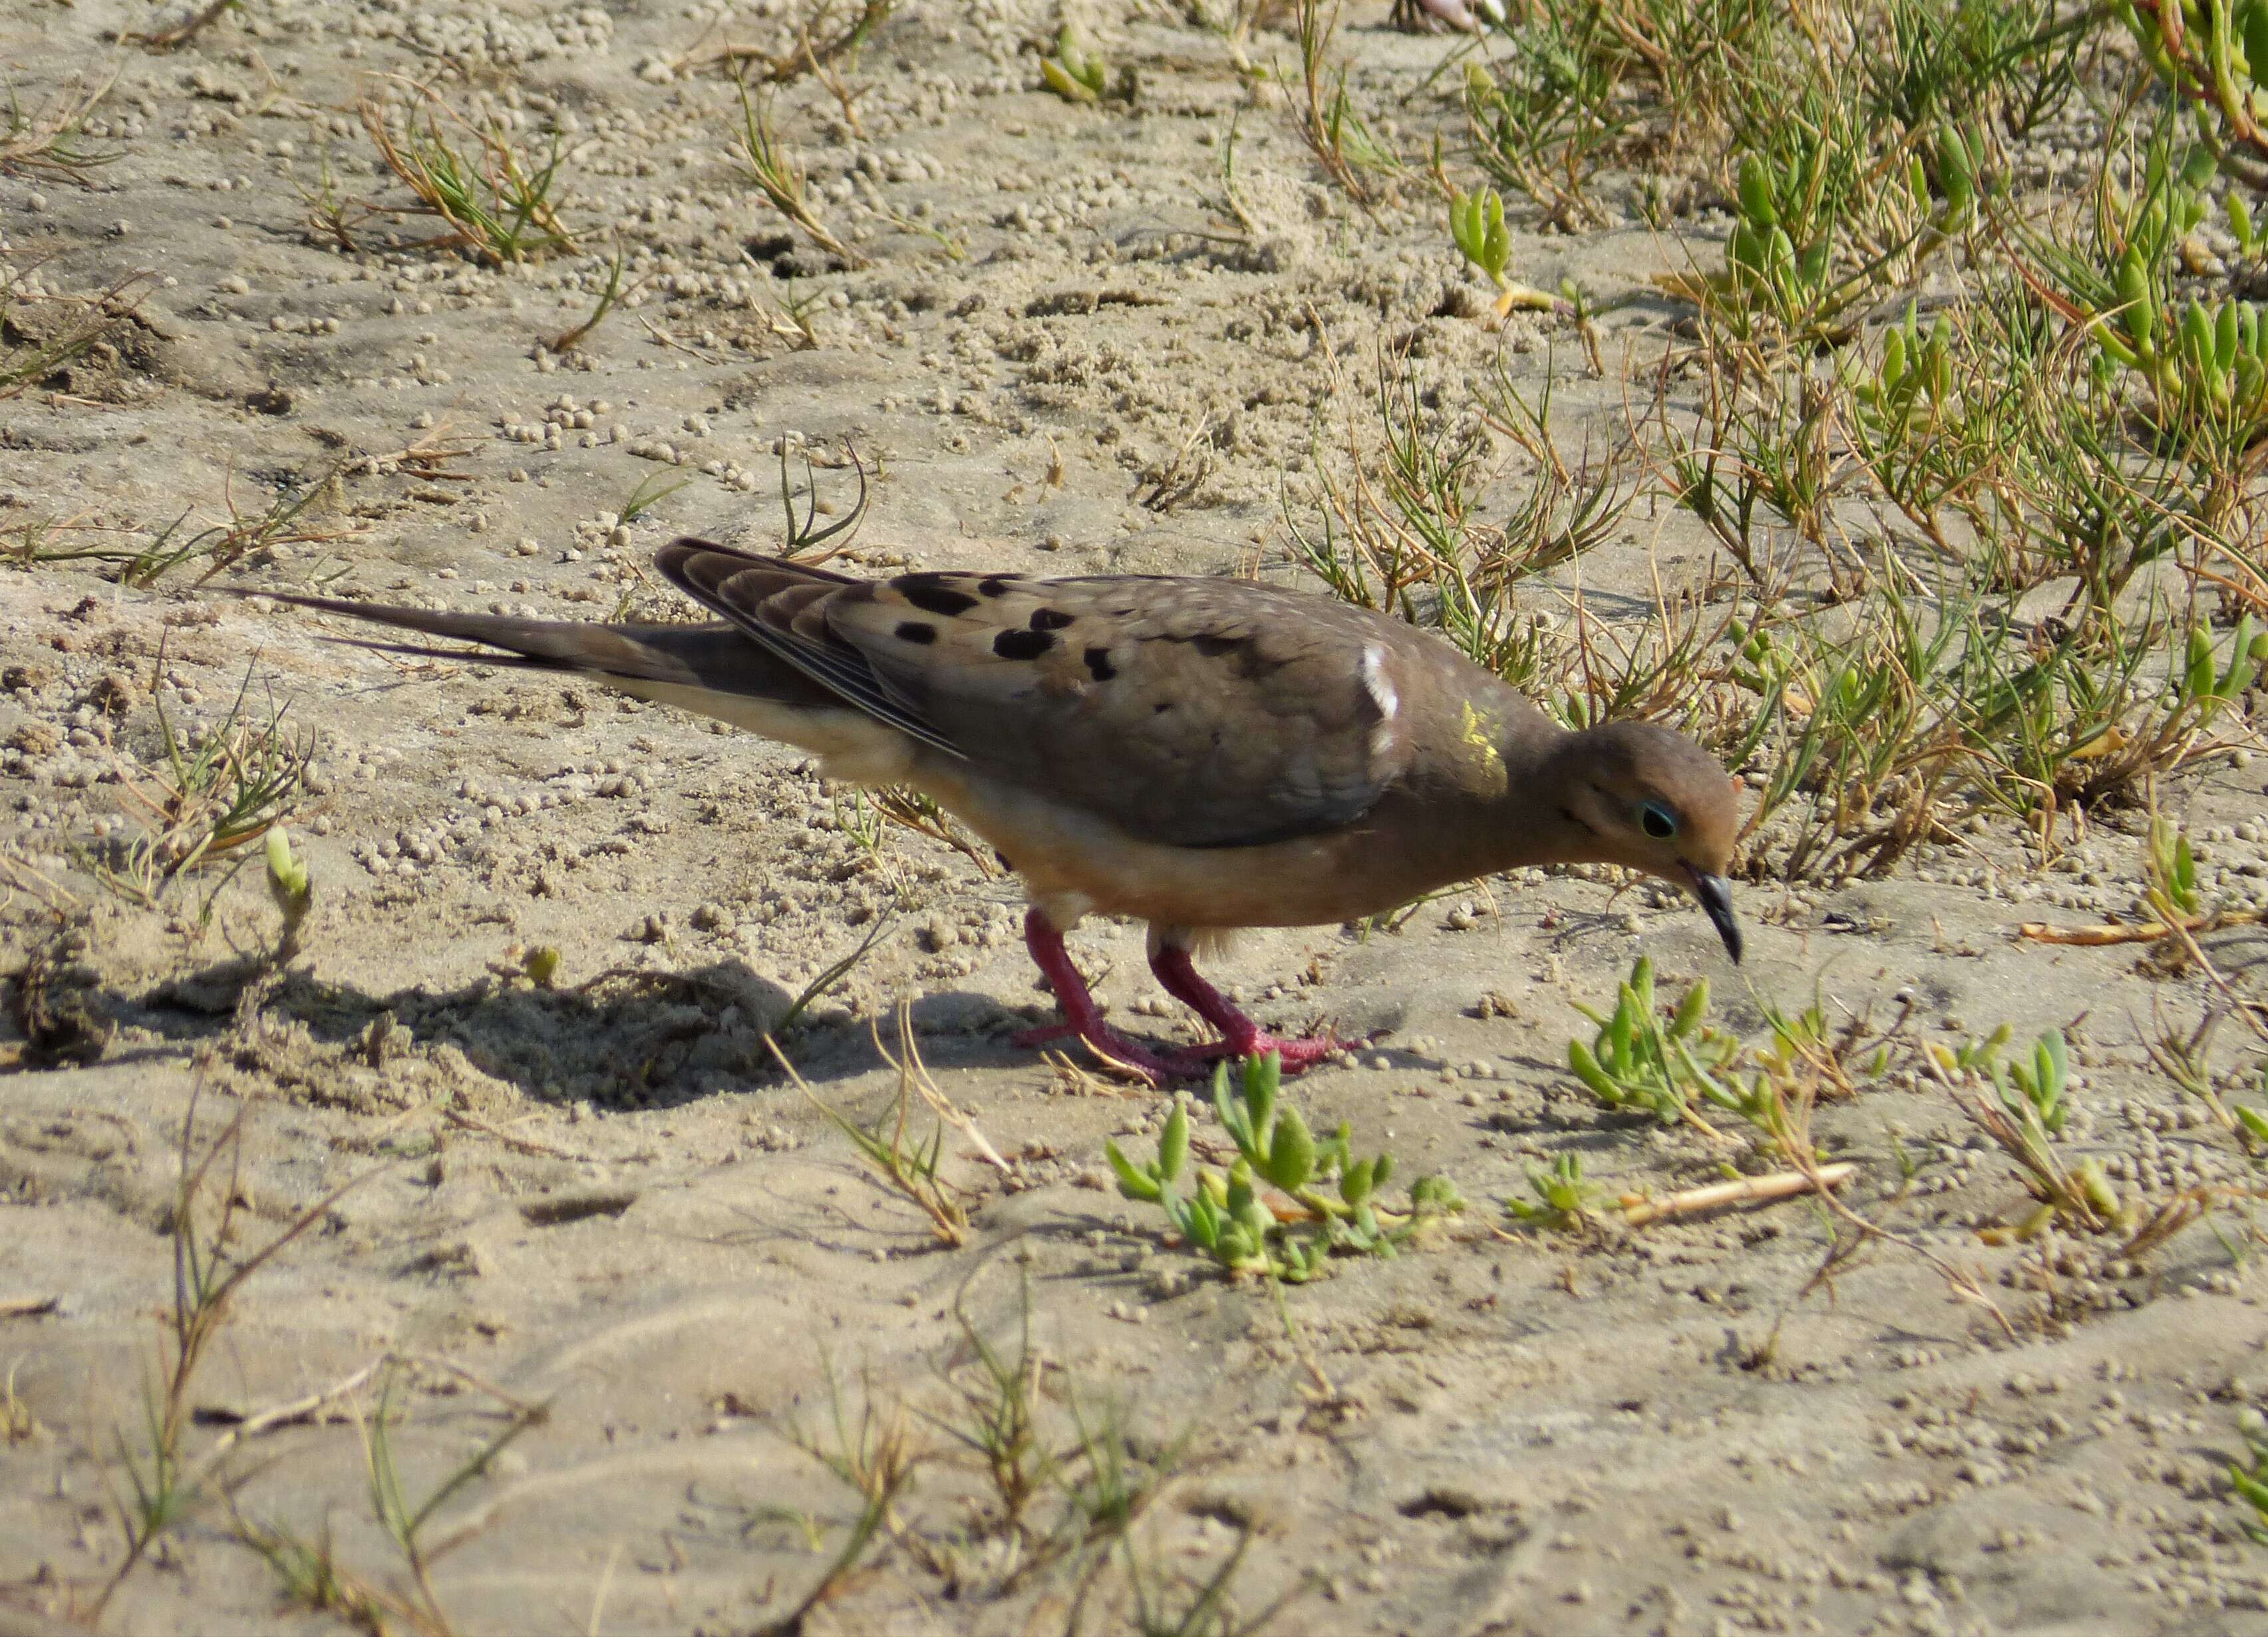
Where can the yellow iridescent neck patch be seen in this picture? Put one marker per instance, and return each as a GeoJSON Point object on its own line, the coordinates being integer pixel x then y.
{"type": "Point", "coordinates": [1478, 733]}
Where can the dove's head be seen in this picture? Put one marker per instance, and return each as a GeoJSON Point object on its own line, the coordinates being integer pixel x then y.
{"type": "Point", "coordinates": [1655, 801]}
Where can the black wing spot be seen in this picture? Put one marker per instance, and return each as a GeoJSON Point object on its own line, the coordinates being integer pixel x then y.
{"type": "Point", "coordinates": [1161, 707]}
{"type": "Point", "coordinates": [1214, 647]}
{"type": "Point", "coordinates": [993, 585]}
{"type": "Point", "coordinates": [932, 597]}
{"type": "Point", "coordinates": [1099, 666]}
{"type": "Point", "coordinates": [1022, 645]}
{"type": "Point", "coordinates": [916, 631]}
{"type": "Point", "coordinates": [1049, 619]}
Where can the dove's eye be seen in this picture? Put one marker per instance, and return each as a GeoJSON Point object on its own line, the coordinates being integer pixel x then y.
{"type": "Point", "coordinates": [1657, 820]}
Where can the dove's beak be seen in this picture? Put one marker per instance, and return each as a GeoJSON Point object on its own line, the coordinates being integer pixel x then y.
{"type": "Point", "coordinates": [1716, 895]}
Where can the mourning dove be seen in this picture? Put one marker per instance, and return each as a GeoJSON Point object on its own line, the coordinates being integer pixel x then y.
{"type": "Point", "coordinates": [1202, 754]}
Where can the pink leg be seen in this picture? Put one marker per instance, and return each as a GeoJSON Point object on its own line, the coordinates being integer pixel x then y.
{"type": "Point", "coordinates": [1240, 1036]}
{"type": "Point", "coordinates": [1082, 1016]}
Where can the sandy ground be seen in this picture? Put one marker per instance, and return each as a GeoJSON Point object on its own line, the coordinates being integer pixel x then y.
{"type": "Point", "coordinates": [603, 1199]}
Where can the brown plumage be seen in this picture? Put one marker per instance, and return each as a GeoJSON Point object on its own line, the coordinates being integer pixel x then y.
{"type": "Point", "coordinates": [1202, 754]}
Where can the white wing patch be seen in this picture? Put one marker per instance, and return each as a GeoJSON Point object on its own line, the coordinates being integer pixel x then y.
{"type": "Point", "coordinates": [1381, 691]}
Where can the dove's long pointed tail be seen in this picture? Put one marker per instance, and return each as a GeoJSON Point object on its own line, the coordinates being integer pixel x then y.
{"type": "Point", "coordinates": [713, 656]}
{"type": "Point", "coordinates": [711, 669]}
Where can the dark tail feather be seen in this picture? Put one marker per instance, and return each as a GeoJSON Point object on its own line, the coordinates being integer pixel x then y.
{"type": "Point", "coordinates": [717, 657]}
{"type": "Point", "coordinates": [550, 644]}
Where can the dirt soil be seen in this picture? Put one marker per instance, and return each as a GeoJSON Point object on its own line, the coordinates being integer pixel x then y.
{"type": "Point", "coordinates": [602, 1197]}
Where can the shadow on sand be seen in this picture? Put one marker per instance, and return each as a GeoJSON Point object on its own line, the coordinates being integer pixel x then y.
{"type": "Point", "coordinates": [631, 1037]}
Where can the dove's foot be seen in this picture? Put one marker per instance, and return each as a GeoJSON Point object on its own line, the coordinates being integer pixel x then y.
{"type": "Point", "coordinates": [1240, 1036]}
{"type": "Point", "coordinates": [1293, 1051]}
{"type": "Point", "coordinates": [1082, 1016]}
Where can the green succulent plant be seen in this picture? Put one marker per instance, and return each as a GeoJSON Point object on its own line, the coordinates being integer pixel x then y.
{"type": "Point", "coordinates": [1077, 72]}
{"type": "Point", "coordinates": [1913, 384]}
{"type": "Point", "coordinates": [1477, 224]}
{"type": "Point", "coordinates": [1563, 1197]}
{"type": "Point", "coordinates": [1637, 1061]}
{"type": "Point", "coordinates": [1223, 1215]}
{"type": "Point", "coordinates": [2214, 55]}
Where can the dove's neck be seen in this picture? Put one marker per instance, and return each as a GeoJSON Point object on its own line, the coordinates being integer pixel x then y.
{"type": "Point", "coordinates": [1535, 821]}
{"type": "Point", "coordinates": [1500, 793]}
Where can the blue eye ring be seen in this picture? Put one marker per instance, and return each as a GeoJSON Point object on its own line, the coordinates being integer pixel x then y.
{"type": "Point", "coordinates": [1657, 820]}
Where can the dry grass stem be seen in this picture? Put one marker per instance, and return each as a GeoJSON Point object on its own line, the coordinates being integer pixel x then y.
{"type": "Point", "coordinates": [779, 175]}
{"type": "Point", "coordinates": [912, 1173]}
{"type": "Point", "coordinates": [48, 333]}
{"type": "Point", "coordinates": [496, 205]}
{"type": "Point", "coordinates": [808, 54]}
{"type": "Point", "coordinates": [47, 141]}
{"type": "Point", "coordinates": [911, 1069]}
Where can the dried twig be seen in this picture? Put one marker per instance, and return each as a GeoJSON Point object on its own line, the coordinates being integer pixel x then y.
{"type": "Point", "coordinates": [297, 1412]}
{"type": "Point", "coordinates": [429, 454]}
{"type": "Point", "coordinates": [188, 29]}
{"type": "Point", "coordinates": [1638, 1210]}
{"type": "Point", "coordinates": [2137, 931]}
{"type": "Point", "coordinates": [518, 1144]}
